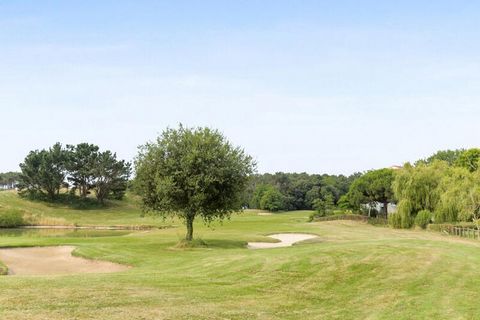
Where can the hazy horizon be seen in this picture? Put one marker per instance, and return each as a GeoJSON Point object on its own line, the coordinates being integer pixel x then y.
{"type": "Point", "coordinates": [317, 87]}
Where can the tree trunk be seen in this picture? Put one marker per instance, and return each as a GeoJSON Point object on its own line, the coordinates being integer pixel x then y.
{"type": "Point", "coordinates": [189, 236]}
{"type": "Point", "coordinates": [385, 209]}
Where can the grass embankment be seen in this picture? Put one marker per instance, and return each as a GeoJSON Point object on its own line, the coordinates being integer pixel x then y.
{"type": "Point", "coordinates": [355, 271]}
{"type": "Point", "coordinates": [114, 213]}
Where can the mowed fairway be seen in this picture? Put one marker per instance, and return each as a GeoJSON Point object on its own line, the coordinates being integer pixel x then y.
{"type": "Point", "coordinates": [353, 271]}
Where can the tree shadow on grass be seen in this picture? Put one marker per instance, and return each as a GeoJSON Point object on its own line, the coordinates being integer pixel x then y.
{"type": "Point", "coordinates": [226, 244]}
{"type": "Point", "coordinates": [71, 201]}
{"type": "Point", "coordinates": [209, 244]}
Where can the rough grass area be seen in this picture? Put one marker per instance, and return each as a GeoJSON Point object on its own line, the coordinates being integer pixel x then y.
{"type": "Point", "coordinates": [357, 271]}
{"type": "Point", "coordinates": [115, 213]}
{"type": "Point", "coordinates": [3, 269]}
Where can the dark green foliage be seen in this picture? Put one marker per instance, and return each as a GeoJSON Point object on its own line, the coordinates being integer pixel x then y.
{"type": "Point", "coordinates": [373, 187]}
{"type": "Point", "coordinates": [110, 176]}
{"type": "Point", "coordinates": [423, 218]}
{"type": "Point", "coordinates": [192, 172]}
{"type": "Point", "coordinates": [299, 190]}
{"type": "Point", "coordinates": [344, 202]}
{"type": "Point", "coordinates": [325, 206]}
{"type": "Point", "coordinates": [8, 180]}
{"type": "Point", "coordinates": [10, 218]}
{"type": "Point", "coordinates": [272, 200]}
{"type": "Point", "coordinates": [449, 156]}
{"type": "Point", "coordinates": [81, 164]}
{"type": "Point", "coordinates": [43, 172]}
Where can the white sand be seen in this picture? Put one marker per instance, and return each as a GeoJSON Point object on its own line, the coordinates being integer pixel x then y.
{"type": "Point", "coordinates": [52, 260]}
{"type": "Point", "coordinates": [286, 240]}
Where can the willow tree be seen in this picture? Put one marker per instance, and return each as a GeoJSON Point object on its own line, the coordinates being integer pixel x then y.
{"type": "Point", "coordinates": [192, 172]}
{"type": "Point", "coordinates": [417, 188]}
{"type": "Point", "coordinates": [459, 196]}
{"type": "Point", "coordinates": [469, 159]}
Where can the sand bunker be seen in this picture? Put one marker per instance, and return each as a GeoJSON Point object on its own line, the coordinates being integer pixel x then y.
{"type": "Point", "coordinates": [286, 240]}
{"type": "Point", "coordinates": [52, 260]}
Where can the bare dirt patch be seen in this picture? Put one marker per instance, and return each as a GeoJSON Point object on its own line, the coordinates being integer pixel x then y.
{"type": "Point", "coordinates": [51, 261]}
{"type": "Point", "coordinates": [286, 240]}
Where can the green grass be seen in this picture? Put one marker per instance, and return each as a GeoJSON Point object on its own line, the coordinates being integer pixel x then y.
{"type": "Point", "coordinates": [115, 213]}
{"type": "Point", "coordinates": [354, 271]}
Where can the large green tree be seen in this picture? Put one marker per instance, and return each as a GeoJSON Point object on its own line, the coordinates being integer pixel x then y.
{"type": "Point", "coordinates": [272, 199]}
{"type": "Point", "coordinates": [110, 176]}
{"type": "Point", "coordinates": [373, 187]}
{"type": "Point", "coordinates": [43, 172]}
{"type": "Point", "coordinates": [416, 188]}
{"type": "Point", "coordinates": [81, 164]}
{"type": "Point", "coordinates": [469, 159]}
{"type": "Point", "coordinates": [192, 172]}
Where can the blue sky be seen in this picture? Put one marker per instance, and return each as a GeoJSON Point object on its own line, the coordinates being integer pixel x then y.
{"type": "Point", "coordinates": [315, 86]}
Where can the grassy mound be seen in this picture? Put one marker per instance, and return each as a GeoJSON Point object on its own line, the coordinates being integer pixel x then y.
{"type": "Point", "coordinates": [115, 213]}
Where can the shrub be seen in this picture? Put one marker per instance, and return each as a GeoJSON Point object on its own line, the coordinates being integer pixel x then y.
{"type": "Point", "coordinates": [378, 221]}
{"type": "Point", "coordinates": [395, 220]}
{"type": "Point", "coordinates": [3, 269]}
{"type": "Point", "coordinates": [11, 218]}
{"type": "Point", "coordinates": [423, 218]}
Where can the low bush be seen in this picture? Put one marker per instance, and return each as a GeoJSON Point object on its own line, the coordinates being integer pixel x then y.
{"type": "Point", "coordinates": [3, 269]}
{"type": "Point", "coordinates": [423, 218]}
{"type": "Point", "coordinates": [354, 217]}
{"type": "Point", "coordinates": [10, 218]}
{"type": "Point", "coordinates": [378, 221]}
{"type": "Point", "coordinates": [395, 220]}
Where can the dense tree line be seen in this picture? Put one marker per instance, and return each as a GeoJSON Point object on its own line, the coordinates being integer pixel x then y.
{"type": "Point", "coordinates": [78, 168]}
{"type": "Point", "coordinates": [444, 187]}
{"type": "Point", "coordinates": [297, 191]}
{"type": "Point", "coordinates": [8, 180]}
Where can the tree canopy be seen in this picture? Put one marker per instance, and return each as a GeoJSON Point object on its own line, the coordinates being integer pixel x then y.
{"type": "Point", "coordinates": [8, 180]}
{"type": "Point", "coordinates": [469, 159]}
{"type": "Point", "coordinates": [45, 172]}
{"type": "Point", "coordinates": [299, 190]}
{"type": "Point", "coordinates": [371, 188]}
{"type": "Point", "coordinates": [192, 172]}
